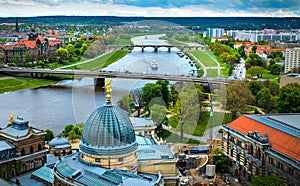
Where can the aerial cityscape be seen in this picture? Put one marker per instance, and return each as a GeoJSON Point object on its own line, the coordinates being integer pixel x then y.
{"type": "Point", "coordinates": [160, 93]}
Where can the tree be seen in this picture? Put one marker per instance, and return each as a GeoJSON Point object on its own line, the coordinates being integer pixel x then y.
{"type": "Point", "coordinates": [136, 96]}
{"type": "Point", "coordinates": [238, 97]}
{"type": "Point", "coordinates": [164, 90]}
{"type": "Point", "coordinates": [219, 159]}
{"type": "Point", "coordinates": [256, 71]}
{"type": "Point", "coordinates": [158, 114]}
{"type": "Point", "coordinates": [71, 50]}
{"type": "Point", "coordinates": [267, 181]}
{"type": "Point", "coordinates": [254, 48]}
{"type": "Point", "coordinates": [16, 59]}
{"type": "Point", "coordinates": [289, 98]}
{"type": "Point", "coordinates": [275, 69]}
{"type": "Point", "coordinates": [188, 106]}
{"type": "Point", "coordinates": [67, 129]}
{"type": "Point", "coordinates": [266, 100]}
{"type": "Point", "coordinates": [72, 135]}
{"type": "Point", "coordinates": [62, 53]}
{"type": "Point", "coordinates": [150, 91]}
{"type": "Point", "coordinates": [49, 135]}
{"type": "Point", "coordinates": [255, 86]}
{"type": "Point", "coordinates": [125, 103]}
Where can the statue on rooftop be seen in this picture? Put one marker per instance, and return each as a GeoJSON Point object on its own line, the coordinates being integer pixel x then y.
{"type": "Point", "coordinates": [11, 117]}
{"type": "Point", "coordinates": [108, 89]}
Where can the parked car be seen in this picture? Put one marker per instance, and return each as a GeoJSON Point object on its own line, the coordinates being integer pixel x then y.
{"type": "Point", "coordinates": [227, 181]}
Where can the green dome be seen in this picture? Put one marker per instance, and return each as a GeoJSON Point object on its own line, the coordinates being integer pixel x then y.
{"type": "Point", "coordinates": [108, 131]}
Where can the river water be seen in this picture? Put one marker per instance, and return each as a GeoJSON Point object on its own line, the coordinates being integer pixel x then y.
{"type": "Point", "coordinates": [71, 101]}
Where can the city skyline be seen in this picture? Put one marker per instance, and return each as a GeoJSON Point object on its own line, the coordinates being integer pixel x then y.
{"type": "Point", "coordinates": [154, 8]}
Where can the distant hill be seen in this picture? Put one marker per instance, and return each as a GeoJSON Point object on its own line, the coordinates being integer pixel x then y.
{"type": "Point", "coordinates": [195, 23]}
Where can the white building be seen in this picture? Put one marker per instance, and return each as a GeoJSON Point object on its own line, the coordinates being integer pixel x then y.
{"type": "Point", "coordinates": [292, 59]}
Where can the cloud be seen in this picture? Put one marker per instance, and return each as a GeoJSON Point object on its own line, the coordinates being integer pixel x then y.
{"type": "Point", "coordinates": [153, 8]}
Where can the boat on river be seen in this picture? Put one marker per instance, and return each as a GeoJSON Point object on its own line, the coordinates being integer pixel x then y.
{"type": "Point", "coordinates": [153, 65]}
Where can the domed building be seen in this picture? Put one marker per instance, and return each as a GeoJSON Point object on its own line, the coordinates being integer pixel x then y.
{"type": "Point", "coordinates": [107, 153]}
{"type": "Point", "coordinates": [108, 139]}
{"type": "Point", "coordinates": [60, 146]}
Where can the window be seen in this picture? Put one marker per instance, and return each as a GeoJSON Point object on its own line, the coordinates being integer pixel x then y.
{"type": "Point", "coordinates": [238, 157]}
{"type": "Point", "coordinates": [23, 152]}
{"type": "Point", "coordinates": [32, 164]}
{"type": "Point", "coordinates": [120, 159]}
{"type": "Point", "coordinates": [4, 175]}
{"type": "Point", "coordinates": [97, 160]}
{"type": "Point", "coordinates": [271, 160]}
{"type": "Point", "coordinates": [40, 162]}
{"type": "Point", "coordinates": [23, 167]}
{"type": "Point", "coordinates": [31, 149]}
{"type": "Point", "coordinates": [13, 172]}
{"type": "Point", "coordinates": [40, 147]}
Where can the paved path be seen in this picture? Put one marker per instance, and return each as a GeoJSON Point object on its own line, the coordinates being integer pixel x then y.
{"type": "Point", "coordinates": [202, 139]}
{"type": "Point", "coordinates": [5, 78]}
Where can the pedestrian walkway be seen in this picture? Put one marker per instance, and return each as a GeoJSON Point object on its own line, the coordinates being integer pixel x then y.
{"type": "Point", "coordinates": [202, 139]}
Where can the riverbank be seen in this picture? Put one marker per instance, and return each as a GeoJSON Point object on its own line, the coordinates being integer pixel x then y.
{"type": "Point", "coordinates": [11, 84]}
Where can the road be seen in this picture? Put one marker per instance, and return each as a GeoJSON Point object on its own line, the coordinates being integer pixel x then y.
{"type": "Point", "coordinates": [116, 74]}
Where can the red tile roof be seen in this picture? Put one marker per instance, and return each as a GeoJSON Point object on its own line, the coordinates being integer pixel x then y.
{"type": "Point", "coordinates": [31, 43]}
{"type": "Point", "coordinates": [25, 42]}
{"type": "Point", "coordinates": [279, 140]}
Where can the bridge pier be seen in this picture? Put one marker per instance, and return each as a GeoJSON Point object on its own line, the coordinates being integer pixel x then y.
{"type": "Point", "coordinates": [155, 49]}
{"type": "Point", "coordinates": [99, 83]}
{"type": "Point", "coordinates": [169, 49]}
{"type": "Point", "coordinates": [142, 49]}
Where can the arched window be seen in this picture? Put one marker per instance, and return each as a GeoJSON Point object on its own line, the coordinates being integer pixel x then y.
{"type": "Point", "coordinates": [32, 164]}
{"type": "Point", "coordinates": [40, 162]}
{"type": "Point", "coordinates": [23, 167]}
{"type": "Point", "coordinates": [40, 147]}
{"type": "Point", "coordinates": [22, 152]}
{"type": "Point", "coordinates": [31, 149]}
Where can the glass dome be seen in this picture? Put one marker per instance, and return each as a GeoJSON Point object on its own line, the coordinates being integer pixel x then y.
{"type": "Point", "coordinates": [108, 131]}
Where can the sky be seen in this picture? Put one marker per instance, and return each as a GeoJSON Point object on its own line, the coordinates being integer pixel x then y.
{"type": "Point", "coordinates": [151, 8]}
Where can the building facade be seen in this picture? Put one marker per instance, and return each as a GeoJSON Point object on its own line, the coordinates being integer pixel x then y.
{"type": "Point", "coordinates": [22, 148]}
{"type": "Point", "coordinates": [214, 32]}
{"type": "Point", "coordinates": [30, 48]}
{"type": "Point", "coordinates": [110, 153]}
{"type": "Point", "coordinates": [263, 145]}
{"type": "Point", "coordinates": [292, 59]}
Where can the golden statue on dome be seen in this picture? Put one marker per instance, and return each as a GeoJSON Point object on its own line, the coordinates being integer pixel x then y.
{"type": "Point", "coordinates": [108, 89]}
{"type": "Point", "coordinates": [11, 117]}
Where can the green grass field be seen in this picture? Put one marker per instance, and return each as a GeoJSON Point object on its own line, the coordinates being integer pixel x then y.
{"type": "Point", "coordinates": [122, 42]}
{"type": "Point", "coordinates": [204, 58]}
{"type": "Point", "coordinates": [212, 72]}
{"type": "Point", "coordinates": [102, 62]}
{"type": "Point", "coordinates": [16, 84]}
{"type": "Point", "coordinates": [219, 118]}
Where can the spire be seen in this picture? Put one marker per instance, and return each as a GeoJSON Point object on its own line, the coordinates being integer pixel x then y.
{"type": "Point", "coordinates": [17, 25]}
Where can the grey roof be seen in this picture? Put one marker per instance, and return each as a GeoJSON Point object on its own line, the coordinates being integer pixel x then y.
{"type": "Point", "coordinates": [288, 123]}
{"type": "Point", "coordinates": [141, 122]}
{"type": "Point", "coordinates": [107, 131]}
{"type": "Point", "coordinates": [59, 141]}
{"type": "Point", "coordinates": [155, 152]}
{"type": "Point", "coordinates": [143, 140]}
{"type": "Point", "coordinates": [88, 174]}
{"type": "Point", "coordinates": [45, 173]}
{"type": "Point", "coordinates": [18, 128]}
{"type": "Point", "coordinates": [4, 145]}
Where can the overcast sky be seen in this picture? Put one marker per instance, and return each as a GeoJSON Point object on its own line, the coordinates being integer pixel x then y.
{"type": "Point", "coordinates": [151, 8]}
